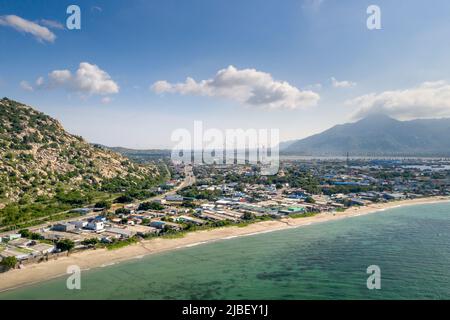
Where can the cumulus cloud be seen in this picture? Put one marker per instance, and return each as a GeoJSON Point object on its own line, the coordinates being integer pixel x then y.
{"type": "Point", "coordinates": [88, 79]}
{"type": "Point", "coordinates": [52, 24]}
{"type": "Point", "coordinates": [427, 100]}
{"type": "Point", "coordinates": [26, 86]}
{"type": "Point", "coordinates": [22, 25]}
{"type": "Point", "coordinates": [342, 84]}
{"type": "Point", "coordinates": [247, 86]}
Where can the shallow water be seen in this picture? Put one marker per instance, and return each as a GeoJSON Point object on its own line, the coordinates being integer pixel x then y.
{"type": "Point", "coordinates": [411, 245]}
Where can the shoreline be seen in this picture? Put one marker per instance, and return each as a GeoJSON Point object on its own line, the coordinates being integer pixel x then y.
{"type": "Point", "coordinates": [99, 258]}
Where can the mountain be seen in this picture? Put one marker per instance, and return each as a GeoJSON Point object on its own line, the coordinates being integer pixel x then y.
{"type": "Point", "coordinates": [378, 135]}
{"type": "Point", "coordinates": [40, 161]}
{"type": "Point", "coordinates": [142, 156]}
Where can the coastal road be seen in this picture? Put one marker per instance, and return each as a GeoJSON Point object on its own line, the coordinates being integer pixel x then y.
{"type": "Point", "coordinates": [188, 180]}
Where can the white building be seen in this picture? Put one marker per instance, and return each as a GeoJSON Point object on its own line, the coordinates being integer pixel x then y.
{"type": "Point", "coordinates": [95, 225]}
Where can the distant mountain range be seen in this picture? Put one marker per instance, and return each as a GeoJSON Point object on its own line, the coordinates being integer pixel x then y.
{"type": "Point", "coordinates": [142, 156]}
{"type": "Point", "coordinates": [377, 135]}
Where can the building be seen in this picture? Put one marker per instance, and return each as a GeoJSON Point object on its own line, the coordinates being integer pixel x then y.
{"type": "Point", "coordinates": [63, 227]}
{"type": "Point", "coordinates": [292, 210]}
{"type": "Point", "coordinates": [12, 236]}
{"type": "Point", "coordinates": [394, 196]}
{"type": "Point", "coordinates": [157, 224]}
{"type": "Point", "coordinates": [21, 242]}
{"type": "Point", "coordinates": [79, 224]}
{"type": "Point", "coordinates": [122, 233]}
{"type": "Point", "coordinates": [174, 198]}
{"type": "Point", "coordinates": [95, 225]}
{"type": "Point", "coordinates": [42, 248]}
{"type": "Point", "coordinates": [193, 220]}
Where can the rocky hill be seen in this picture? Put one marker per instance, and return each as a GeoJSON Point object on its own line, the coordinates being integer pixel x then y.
{"type": "Point", "coordinates": [40, 160]}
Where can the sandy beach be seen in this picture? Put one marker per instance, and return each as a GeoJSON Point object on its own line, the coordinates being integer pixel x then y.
{"type": "Point", "coordinates": [102, 257]}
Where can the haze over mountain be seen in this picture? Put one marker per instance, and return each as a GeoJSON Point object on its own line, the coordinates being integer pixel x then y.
{"type": "Point", "coordinates": [378, 135]}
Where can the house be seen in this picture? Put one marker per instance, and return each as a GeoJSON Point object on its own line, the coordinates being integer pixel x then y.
{"type": "Point", "coordinates": [21, 242]}
{"type": "Point", "coordinates": [157, 224]}
{"type": "Point", "coordinates": [19, 253]}
{"type": "Point", "coordinates": [356, 202]}
{"type": "Point", "coordinates": [95, 225]}
{"type": "Point", "coordinates": [79, 224]}
{"type": "Point", "coordinates": [164, 224]}
{"type": "Point", "coordinates": [12, 236]}
{"type": "Point", "coordinates": [43, 248]}
{"type": "Point", "coordinates": [142, 231]}
{"type": "Point", "coordinates": [223, 202]}
{"type": "Point", "coordinates": [188, 219]}
{"type": "Point", "coordinates": [63, 227]}
{"type": "Point", "coordinates": [174, 198]}
{"type": "Point", "coordinates": [393, 196]}
{"type": "Point", "coordinates": [123, 233]}
{"type": "Point", "coordinates": [100, 218]}
{"type": "Point", "coordinates": [292, 210]}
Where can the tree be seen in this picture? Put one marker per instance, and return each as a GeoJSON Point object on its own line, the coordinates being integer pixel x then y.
{"type": "Point", "coordinates": [122, 211]}
{"type": "Point", "coordinates": [150, 206]}
{"type": "Point", "coordinates": [188, 204]}
{"type": "Point", "coordinates": [103, 204]}
{"type": "Point", "coordinates": [9, 262]}
{"type": "Point", "coordinates": [65, 245]}
{"type": "Point", "coordinates": [310, 200]}
{"type": "Point", "coordinates": [25, 233]}
{"type": "Point", "coordinates": [124, 199]}
{"type": "Point", "coordinates": [248, 216]}
{"type": "Point", "coordinates": [92, 241]}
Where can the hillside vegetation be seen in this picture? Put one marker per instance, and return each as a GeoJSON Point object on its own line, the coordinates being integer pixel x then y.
{"type": "Point", "coordinates": [44, 169]}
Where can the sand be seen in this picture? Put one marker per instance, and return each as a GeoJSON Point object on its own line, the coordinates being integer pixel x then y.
{"type": "Point", "coordinates": [88, 259]}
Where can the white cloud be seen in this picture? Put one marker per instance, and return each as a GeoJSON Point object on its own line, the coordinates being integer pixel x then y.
{"type": "Point", "coordinates": [40, 81]}
{"type": "Point", "coordinates": [52, 24]}
{"type": "Point", "coordinates": [342, 84]}
{"type": "Point", "coordinates": [427, 100]}
{"type": "Point", "coordinates": [91, 79]}
{"type": "Point", "coordinates": [88, 79]}
{"type": "Point", "coordinates": [22, 25]}
{"type": "Point", "coordinates": [58, 77]}
{"type": "Point", "coordinates": [26, 86]}
{"type": "Point", "coordinates": [247, 86]}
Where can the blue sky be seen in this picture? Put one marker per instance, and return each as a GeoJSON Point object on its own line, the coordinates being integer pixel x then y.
{"type": "Point", "coordinates": [128, 46]}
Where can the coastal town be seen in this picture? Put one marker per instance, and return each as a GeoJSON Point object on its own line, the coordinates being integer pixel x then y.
{"type": "Point", "coordinates": [203, 197]}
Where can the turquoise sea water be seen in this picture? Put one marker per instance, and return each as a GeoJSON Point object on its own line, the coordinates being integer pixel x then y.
{"type": "Point", "coordinates": [411, 245]}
